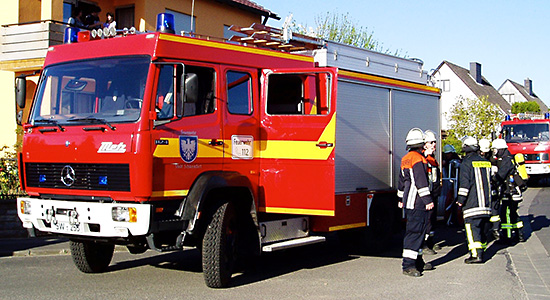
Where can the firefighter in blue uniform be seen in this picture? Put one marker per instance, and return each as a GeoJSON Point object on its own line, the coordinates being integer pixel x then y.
{"type": "Point", "coordinates": [414, 191]}
{"type": "Point", "coordinates": [474, 196]}
{"type": "Point", "coordinates": [509, 193]}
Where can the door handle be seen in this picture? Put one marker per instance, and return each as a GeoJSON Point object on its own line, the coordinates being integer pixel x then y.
{"type": "Point", "coordinates": [214, 142]}
{"type": "Point", "coordinates": [324, 145]}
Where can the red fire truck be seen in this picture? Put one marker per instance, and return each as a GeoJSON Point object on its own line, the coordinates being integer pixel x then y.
{"type": "Point", "coordinates": [529, 136]}
{"type": "Point", "coordinates": [161, 141]}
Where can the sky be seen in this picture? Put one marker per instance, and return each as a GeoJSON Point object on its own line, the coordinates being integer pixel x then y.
{"type": "Point", "coordinates": [510, 39]}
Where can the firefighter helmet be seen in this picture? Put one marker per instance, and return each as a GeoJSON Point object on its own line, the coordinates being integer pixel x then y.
{"type": "Point", "coordinates": [499, 144]}
{"type": "Point", "coordinates": [415, 136]}
{"type": "Point", "coordinates": [469, 143]}
{"type": "Point", "coordinates": [429, 136]}
{"type": "Point", "coordinates": [449, 149]}
{"type": "Point", "coordinates": [484, 145]}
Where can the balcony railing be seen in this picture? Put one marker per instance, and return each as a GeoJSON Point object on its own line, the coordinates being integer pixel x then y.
{"type": "Point", "coordinates": [29, 41]}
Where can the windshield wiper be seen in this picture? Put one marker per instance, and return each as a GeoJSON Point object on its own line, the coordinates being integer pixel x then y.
{"type": "Point", "coordinates": [92, 119]}
{"type": "Point", "coordinates": [50, 121]}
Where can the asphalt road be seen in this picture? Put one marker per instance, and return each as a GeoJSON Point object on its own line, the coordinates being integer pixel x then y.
{"type": "Point", "coordinates": [333, 270]}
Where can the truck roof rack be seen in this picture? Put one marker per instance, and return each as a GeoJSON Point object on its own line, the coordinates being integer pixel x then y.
{"type": "Point", "coordinates": [275, 38]}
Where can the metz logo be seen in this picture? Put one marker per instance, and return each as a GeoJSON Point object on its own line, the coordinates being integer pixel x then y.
{"type": "Point", "coordinates": [109, 147]}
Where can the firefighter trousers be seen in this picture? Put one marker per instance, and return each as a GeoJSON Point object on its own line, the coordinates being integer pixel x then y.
{"type": "Point", "coordinates": [495, 215]}
{"type": "Point", "coordinates": [415, 230]}
{"type": "Point", "coordinates": [476, 229]}
{"type": "Point", "coordinates": [510, 218]}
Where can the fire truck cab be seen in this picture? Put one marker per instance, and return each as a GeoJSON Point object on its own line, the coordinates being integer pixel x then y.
{"type": "Point", "coordinates": [529, 136]}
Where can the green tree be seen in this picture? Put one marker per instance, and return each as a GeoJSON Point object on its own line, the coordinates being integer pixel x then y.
{"type": "Point", "coordinates": [342, 28]}
{"type": "Point", "coordinates": [471, 117]}
{"type": "Point", "coordinates": [525, 107]}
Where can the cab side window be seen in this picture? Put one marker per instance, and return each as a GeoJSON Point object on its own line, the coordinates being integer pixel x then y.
{"type": "Point", "coordinates": [298, 94]}
{"type": "Point", "coordinates": [205, 103]}
{"type": "Point", "coordinates": [239, 93]}
{"type": "Point", "coordinates": [165, 93]}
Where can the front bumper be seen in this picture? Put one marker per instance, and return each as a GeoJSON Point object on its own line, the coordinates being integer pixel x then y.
{"type": "Point", "coordinates": [91, 219]}
{"type": "Point", "coordinates": [537, 169]}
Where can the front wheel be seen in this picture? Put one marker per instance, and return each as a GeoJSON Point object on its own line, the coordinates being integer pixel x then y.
{"type": "Point", "coordinates": [91, 257]}
{"type": "Point", "coordinates": [219, 247]}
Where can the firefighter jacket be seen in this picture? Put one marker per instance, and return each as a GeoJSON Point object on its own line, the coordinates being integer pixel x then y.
{"type": "Point", "coordinates": [506, 169]}
{"type": "Point", "coordinates": [413, 185]}
{"type": "Point", "coordinates": [474, 186]}
{"type": "Point", "coordinates": [434, 176]}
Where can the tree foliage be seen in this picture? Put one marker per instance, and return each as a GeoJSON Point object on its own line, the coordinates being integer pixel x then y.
{"type": "Point", "coordinates": [342, 28]}
{"type": "Point", "coordinates": [525, 107]}
{"type": "Point", "coordinates": [471, 117]}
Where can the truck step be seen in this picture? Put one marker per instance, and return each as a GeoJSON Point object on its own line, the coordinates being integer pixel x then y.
{"type": "Point", "coordinates": [293, 243]}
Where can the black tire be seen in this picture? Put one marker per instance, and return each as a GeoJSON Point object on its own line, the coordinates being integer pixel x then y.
{"type": "Point", "coordinates": [91, 257]}
{"type": "Point", "coordinates": [219, 247]}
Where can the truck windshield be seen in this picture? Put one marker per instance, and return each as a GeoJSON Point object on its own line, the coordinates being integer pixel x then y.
{"type": "Point", "coordinates": [104, 90]}
{"type": "Point", "coordinates": [532, 132]}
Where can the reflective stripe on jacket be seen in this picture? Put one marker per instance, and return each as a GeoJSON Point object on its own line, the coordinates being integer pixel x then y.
{"type": "Point", "coordinates": [474, 192]}
{"type": "Point", "coordinates": [413, 181]}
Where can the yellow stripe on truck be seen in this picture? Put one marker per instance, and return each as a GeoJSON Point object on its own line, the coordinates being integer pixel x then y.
{"type": "Point", "coordinates": [305, 150]}
{"type": "Point", "coordinates": [271, 149]}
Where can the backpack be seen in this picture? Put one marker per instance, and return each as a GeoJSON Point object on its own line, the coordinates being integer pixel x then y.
{"type": "Point", "coordinates": [520, 172]}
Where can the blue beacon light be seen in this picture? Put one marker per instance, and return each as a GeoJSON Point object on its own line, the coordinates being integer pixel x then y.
{"type": "Point", "coordinates": [165, 23]}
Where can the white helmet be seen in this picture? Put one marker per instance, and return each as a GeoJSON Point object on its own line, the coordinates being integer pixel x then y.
{"type": "Point", "coordinates": [484, 145]}
{"type": "Point", "coordinates": [499, 144]}
{"type": "Point", "coordinates": [415, 137]}
{"type": "Point", "coordinates": [429, 136]}
{"type": "Point", "coordinates": [469, 142]}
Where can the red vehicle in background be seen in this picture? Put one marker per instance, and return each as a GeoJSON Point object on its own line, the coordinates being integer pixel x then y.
{"type": "Point", "coordinates": [530, 137]}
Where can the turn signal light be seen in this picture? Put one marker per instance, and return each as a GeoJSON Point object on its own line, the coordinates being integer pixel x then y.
{"type": "Point", "coordinates": [124, 214]}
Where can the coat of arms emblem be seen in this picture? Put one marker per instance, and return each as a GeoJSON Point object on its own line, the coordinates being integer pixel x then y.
{"type": "Point", "coordinates": [188, 148]}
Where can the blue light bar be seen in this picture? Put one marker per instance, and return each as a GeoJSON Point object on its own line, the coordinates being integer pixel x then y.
{"type": "Point", "coordinates": [165, 23]}
{"type": "Point", "coordinates": [71, 35]}
{"type": "Point", "coordinates": [102, 180]}
{"type": "Point", "coordinates": [41, 178]}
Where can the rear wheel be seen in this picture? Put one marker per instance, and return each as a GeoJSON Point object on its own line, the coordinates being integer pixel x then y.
{"type": "Point", "coordinates": [219, 247]}
{"type": "Point", "coordinates": [91, 257]}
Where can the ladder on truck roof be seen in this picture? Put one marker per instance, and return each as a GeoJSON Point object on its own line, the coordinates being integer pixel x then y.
{"type": "Point", "coordinates": [275, 38]}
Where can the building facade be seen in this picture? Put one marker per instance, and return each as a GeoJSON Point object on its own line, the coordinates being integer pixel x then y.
{"type": "Point", "coordinates": [457, 82]}
{"type": "Point", "coordinates": [30, 27]}
{"type": "Point", "coordinates": [514, 92]}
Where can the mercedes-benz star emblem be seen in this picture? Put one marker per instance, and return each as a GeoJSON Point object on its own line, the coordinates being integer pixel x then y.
{"type": "Point", "coordinates": [67, 175]}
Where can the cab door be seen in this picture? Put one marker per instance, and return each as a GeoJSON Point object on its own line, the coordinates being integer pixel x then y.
{"type": "Point", "coordinates": [187, 141]}
{"type": "Point", "coordinates": [297, 133]}
{"type": "Point", "coordinates": [241, 131]}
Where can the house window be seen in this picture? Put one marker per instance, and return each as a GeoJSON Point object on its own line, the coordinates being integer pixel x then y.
{"type": "Point", "coordinates": [67, 11]}
{"type": "Point", "coordinates": [445, 85]}
{"type": "Point", "coordinates": [124, 17]}
{"type": "Point", "coordinates": [509, 98]}
{"type": "Point", "coordinates": [183, 22]}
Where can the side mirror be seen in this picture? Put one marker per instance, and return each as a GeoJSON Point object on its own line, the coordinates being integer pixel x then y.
{"type": "Point", "coordinates": [20, 91]}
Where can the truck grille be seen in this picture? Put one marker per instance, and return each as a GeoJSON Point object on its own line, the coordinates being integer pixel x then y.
{"type": "Point", "coordinates": [107, 177]}
{"type": "Point", "coordinates": [536, 156]}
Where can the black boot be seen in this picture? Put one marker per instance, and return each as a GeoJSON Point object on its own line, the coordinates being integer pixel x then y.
{"type": "Point", "coordinates": [476, 257]}
{"type": "Point", "coordinates": [496, 234]}
{"type": "Point", "coordinates": [413, 272]}
{"type": "Point", "coordinates": [423, 266]}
